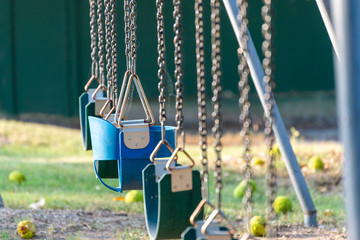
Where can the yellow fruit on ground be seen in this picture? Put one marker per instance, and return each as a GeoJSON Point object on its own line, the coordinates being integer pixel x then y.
{"type": "Point", "coordinates": [16, 176]}
{"type": "Point", "coordinates": [282, 204]}
{"type": "Point", "coordinates": [257, 226]}
{"type": "Point", "coordinates": [315, 163]}
{"type": "Point", "coordinates": [134, 196]}
{"type": "Point", "coordinates": [256, 161]}
{"type": "Point", "coordinates": [26, 229]}
{"type": "Point", "coordinates": [239, 191]}
{"type": "Point", "coordinates": [275, 150]}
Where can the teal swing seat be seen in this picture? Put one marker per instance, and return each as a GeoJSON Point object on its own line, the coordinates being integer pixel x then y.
{"type": "Point", "coordinates": [167, 205]}
{"type": "Point", "coordinates": [90, 104]}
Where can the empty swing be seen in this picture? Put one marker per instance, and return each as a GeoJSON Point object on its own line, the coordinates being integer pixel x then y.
{"type": "Point", "coordinates": [123, 146]}
{"type": "Point", "coordinates": [211, 227]}
{"type": "Point", "coordinates": [93, 99]}
{"type": "Point", "coordinates": [171, 190]}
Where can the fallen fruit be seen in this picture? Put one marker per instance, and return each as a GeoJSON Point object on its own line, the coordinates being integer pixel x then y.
{"type": "Point", "coordinates": [239, 191]}
{"type": "Point", "coordinates": [282, 204]}
{"type": "Point", "coordinates": [315, 163]}
{"type": "Point", "coordinates": [16, 176]}
{"type": "Point", "coordinates": [134, 196]}
{"type": "Point", "coordinates": [275, 150]}
{"type": "Point", "coordinates": [26, 229]}
{"type": "Point", "coordinates": [257, 226]}
{"type": "Point", "coordinates": [256, 161]}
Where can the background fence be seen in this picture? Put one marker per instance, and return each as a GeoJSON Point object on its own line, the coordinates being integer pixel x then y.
{"type": "Point", "coordinates": [45, 53]}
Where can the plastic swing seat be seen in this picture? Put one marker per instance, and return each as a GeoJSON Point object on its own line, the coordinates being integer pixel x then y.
{"type": "Point", "coordinates": [89, 107]}
{"type": "Point", "coordinates": [167, 212]}
{"type": "Point", "coordinates": [114, 159]}
{"type": "Point", "coordinates": [208, 229]}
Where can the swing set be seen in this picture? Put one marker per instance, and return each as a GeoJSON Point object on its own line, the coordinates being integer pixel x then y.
{"type": "Point", "coordinates": [145, 156]}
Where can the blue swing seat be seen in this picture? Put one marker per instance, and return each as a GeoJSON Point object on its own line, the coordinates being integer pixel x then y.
{"type": "Point", "coordinates": [108, 145]}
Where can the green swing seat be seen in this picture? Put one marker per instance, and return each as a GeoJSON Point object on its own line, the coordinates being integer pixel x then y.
{"type": "Point", "coordinates": [167, 213]}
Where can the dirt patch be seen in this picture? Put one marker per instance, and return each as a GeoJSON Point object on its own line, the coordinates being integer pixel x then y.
{"type": "Point", "coordinates": [73, 224]}
{"type": "Point", "coordinates": [77, 224]}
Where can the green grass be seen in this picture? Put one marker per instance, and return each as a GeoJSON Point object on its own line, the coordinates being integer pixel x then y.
{"type": "Point", "coordinates": [57, 169]}
{"type": "Point", "coordinates": [4, 235]}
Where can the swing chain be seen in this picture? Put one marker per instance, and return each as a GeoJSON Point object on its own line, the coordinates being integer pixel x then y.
{"type": "Point", "coordinates": [216, 89]}
{"type": "Point", "coordinates": [114, 51]}
{"type": "Point", "coordinates": [161, 64]}
{"type": "Point", "coordinates": [133, 35]}
{"type": "Point", "coordinates": [268, 65]}
{"type": "Point", "coordinates": [179, 117]}
{"type": "Point", "coordinates": [100, 13]}
{"type": "Point", "coordinates": [108, 49]}
{"type": "Point", "coordinates": [201, 95]}
{"type": "Point", "coordinates": [93, 41]}
{"type": "Point", "coordinates": [245, 104]}
{"type": "Point", "coordinates": [127, 33]}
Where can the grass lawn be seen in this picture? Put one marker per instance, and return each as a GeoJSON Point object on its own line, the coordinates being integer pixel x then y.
{"type": "Point", "coordinates": [57, 169]}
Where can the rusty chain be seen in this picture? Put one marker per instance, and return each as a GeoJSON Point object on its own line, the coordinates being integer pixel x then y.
{"type": "Point", "coordinates": [268, 65]}
{"type": "Point", "coordinates": [245, 104]}
{"type": "Point", "coordinates": [216, 89]}
{"type": "Point", "coordinates": [179, 86]}
{"type": "Point", "coordinates": [161, 63]}
{"type": "Point", "coordinates": [201, 95]}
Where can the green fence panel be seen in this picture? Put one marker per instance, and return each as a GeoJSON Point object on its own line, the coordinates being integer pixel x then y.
{"type": "Point", "coordinates": [45, 53]}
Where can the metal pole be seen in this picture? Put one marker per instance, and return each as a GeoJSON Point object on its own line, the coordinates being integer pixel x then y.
{"type": "Point", "coordinates": [293, 168]}
{"type": "Point", "coordinates": [329, 27]}
{"type": "Point", "coordinates": [347, 25]}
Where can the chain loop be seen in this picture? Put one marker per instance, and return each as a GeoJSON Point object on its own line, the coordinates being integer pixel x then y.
{"type": "Point", "coordinates": [216, 89]}
{"type": "Point", "coordinates": [244, 103]}
{"type": "Point", "coordinates": [161, 63]}
{"type": "Point", "coordinates": [179, 86]}
{"type": "Point", "coordinates": [201, 95]}
{"type": "Point", "coordinates": [268, 50]}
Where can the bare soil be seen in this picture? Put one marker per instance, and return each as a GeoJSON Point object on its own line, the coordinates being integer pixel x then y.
{"type": "Point", "coordinates": [77, 224]}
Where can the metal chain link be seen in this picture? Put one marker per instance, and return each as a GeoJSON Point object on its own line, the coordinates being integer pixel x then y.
{"type": "Point", "coordinates": [245, 104]}
{"type": "Point", "coordinates": [268, 50]}
{"type": "Point", "coordinates": [161, 63]}
{"type": "Point", "coordinates": [127, 33]}
{"type": "Point", "coordinates": [101, 54]}
{"type": "Point", "coordinates": [133, 35]}
{"type": "Point", "coordinates": [93, 39]}
{"type": "Point", "coordinates": [114, 51]}
{"type": "Point", "coordinates": [108, 50]}
{"type": "Point", "coordinates": [216, 89]}
{"type": "Point", "coordinates": [201, 94]}
{"type": "Point", "coordinates": [179, 86]}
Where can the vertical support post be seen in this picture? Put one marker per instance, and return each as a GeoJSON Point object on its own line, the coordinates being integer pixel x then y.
{"type": "Point", "coordinates": [347, 26]}
{"type": "Point", "coordinates": [288, 155]}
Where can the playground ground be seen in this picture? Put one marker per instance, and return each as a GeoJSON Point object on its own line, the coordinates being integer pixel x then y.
{"type": "Point", "coordinates": [77, 207]}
